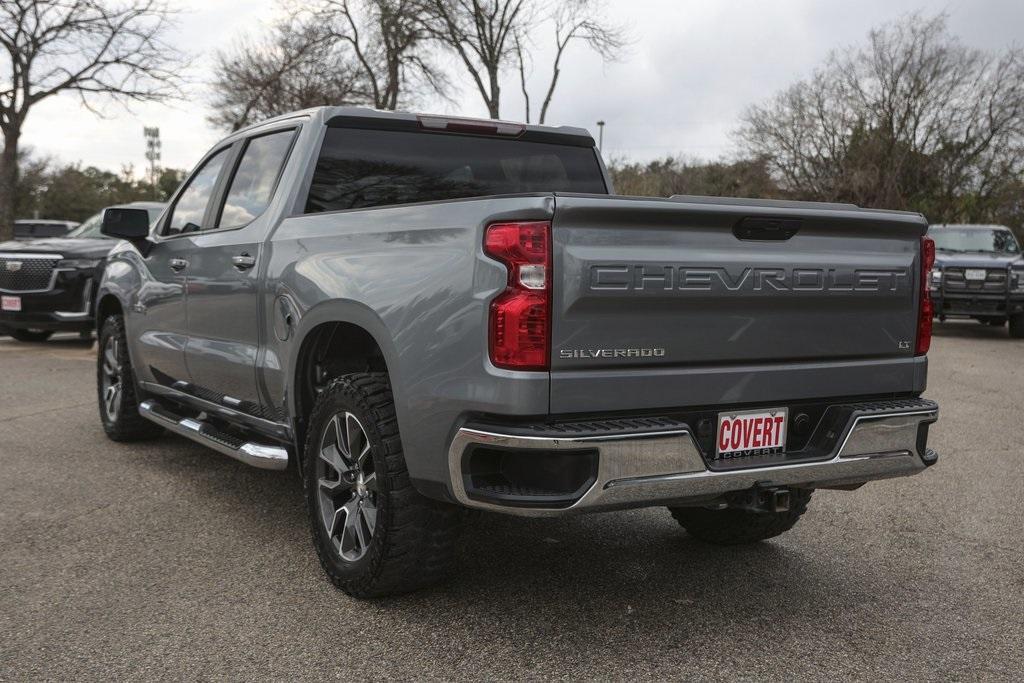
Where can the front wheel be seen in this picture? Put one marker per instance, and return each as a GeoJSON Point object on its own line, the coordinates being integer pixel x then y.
{"type": "Point", "coordinates": [1017, 326]}
{"type": "Point", "coordinates": [27, 335]}
{"type": "Point", "coordinates": [734, 526]}
{"type": "Point", "coordinates": [115, 387]}
{"type": "Point", "coordinates": [374, 533]}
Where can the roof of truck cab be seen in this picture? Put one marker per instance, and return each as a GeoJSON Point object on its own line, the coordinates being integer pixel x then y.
{"type": "Point", "coordinates": [329, 114]}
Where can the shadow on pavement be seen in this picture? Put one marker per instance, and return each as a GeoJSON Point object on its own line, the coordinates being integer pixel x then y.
{"type": "Point", "coordinates": [607, 574]}
{"type": "Point", "coordinates": [61, 341]}
{"type": "Point", "coordinates": [969, 329]}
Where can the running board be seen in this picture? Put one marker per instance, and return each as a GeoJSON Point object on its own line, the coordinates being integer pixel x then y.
{"type": "Point", "coordinates": [255, 454]}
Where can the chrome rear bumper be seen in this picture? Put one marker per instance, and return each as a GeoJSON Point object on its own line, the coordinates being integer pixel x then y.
{"type": "Point", "coordinates": [666, 466]}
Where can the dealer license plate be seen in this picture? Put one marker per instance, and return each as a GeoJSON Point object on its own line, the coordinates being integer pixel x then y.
{"type": "Point", "coordinates": [10, 303]}
{"type": "Point", "coordinates": [975, 274]}
{"type": "Point", "coordinates": [754, 432]}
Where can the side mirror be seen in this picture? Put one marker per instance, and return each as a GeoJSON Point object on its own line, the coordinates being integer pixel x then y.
{"type": "Point", "coordinates": [126, 224]}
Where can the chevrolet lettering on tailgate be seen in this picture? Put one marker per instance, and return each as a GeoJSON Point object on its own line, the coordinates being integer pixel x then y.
{"type": "Point", "coordinates": [641, 277]}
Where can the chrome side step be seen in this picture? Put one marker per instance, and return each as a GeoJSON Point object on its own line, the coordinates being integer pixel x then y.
{"type": "Point", "coordinates": [258, 455]}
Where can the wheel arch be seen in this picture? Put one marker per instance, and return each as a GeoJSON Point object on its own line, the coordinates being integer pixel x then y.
{"type": "Point", "coordinates": [107, 305]}
{"type": "Point", "coordinates": [328, 348]}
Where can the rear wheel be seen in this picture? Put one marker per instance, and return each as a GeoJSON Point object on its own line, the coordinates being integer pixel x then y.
{"type": "Point", "coordinates": [734, 526]}
{"type": "Point", "coordinates": [115, 387]}
{"type": "Point", "coordinates": [1017, 326]}
{"type": "Point", "coordinates": [374, 533]}
{"type": "Point", "coordinates": [30, 335]}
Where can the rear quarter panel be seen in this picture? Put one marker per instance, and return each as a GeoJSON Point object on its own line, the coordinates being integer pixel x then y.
{"type": "Point", "coordinates": [415, 277]}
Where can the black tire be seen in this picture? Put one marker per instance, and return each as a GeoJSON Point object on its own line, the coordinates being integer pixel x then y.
{"type": "Point", "coordinates": [733, 526]}
{"type": "Point", "coordinates": [34, 336]}
{"type": "Point", "coordinates": [1017, 326]}
{"type": "Point", "coordinates": [123, 423]}
{"type": "Point", "coordinates": [412, 542]}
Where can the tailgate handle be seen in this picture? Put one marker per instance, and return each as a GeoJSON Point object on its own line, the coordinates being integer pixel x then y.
{"type": "Point", "coordinates": [766, 228]}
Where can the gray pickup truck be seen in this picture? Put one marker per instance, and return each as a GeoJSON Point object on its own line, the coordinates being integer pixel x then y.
{"type": "Point", "coordinates": [426, 315]}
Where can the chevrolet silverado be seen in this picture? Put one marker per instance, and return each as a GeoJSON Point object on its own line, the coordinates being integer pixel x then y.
{"type": "Point", "coordinates": [425, 315]}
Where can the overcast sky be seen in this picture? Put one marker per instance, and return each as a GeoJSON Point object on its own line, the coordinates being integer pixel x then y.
{"type": "Point", "coordinates": [693, 67]}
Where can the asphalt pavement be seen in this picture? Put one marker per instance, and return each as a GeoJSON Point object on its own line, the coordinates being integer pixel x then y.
{"type": "Point", "coordinates": [164, 560]}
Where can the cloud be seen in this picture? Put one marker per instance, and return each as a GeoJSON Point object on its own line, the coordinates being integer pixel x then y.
{"type": "Point", "coordinates": [693, 68]}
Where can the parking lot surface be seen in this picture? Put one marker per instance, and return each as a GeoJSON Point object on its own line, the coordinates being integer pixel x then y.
{"type": "Point", "coordinates": [166, 560]}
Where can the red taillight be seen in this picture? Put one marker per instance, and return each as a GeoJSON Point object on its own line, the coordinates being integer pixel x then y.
{"type": "Point", "coordinates": [520, 324]}
{"type": "Point", "coordinates": [924, 320]}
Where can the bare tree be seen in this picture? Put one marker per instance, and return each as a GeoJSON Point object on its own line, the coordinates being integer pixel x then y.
{"type": "Point", "coordinates": [366, 52]}
{"type": "Point", "coordinates": [388, 39]}
{"type": "Point", "coordinates": [578, 21]}
{"type": "Point", "coordinates": [295, 66]}
{"type": "Point", "coordinates": [88, 47]}
{"type": "Point", "coordinates": [912, 119]}
{"type": "Point", "coordinates": [482, 33]}
{"type": "Point", "coordinates": [489, 35]}
{"type": "Point", "coordinates": [522, 55]}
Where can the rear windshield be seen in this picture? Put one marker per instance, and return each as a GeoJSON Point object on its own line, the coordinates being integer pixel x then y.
{"type": "Point", "coordinates": [362, 168]}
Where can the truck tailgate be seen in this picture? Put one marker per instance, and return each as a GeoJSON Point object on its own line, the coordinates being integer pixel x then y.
{"type": "Point", "coordinates": [664, 286]}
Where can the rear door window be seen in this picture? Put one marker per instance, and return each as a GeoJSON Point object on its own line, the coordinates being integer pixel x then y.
{"type": "Point", "coordinates": [255, 179]}
{"type": "Point", "coordinates": [361, 168]}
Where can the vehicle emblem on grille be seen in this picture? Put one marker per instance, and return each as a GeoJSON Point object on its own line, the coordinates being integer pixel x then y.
{"type": "Point", "coordinates": [13, 266]}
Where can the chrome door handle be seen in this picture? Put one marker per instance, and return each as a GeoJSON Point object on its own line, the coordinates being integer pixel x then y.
{"type": "Point", "coordinates": [243, 261]}
{"type": "Point", "coordinates": [178, 264]}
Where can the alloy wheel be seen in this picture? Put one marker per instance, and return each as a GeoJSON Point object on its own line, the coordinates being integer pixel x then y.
{"type": "Point", "coordinates": [347, 489]}
{"type": "Point", "coordinates": [112, 378]}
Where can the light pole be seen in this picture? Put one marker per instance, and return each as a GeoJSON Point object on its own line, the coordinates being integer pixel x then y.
{"type": "Point", "coordinates": [600, 135]}
{"type": "Point", "coordinates": [152, 154]}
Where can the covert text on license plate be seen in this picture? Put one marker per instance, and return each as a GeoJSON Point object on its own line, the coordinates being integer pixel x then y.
{"type": "Point", "coordinates": [754, 432]}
